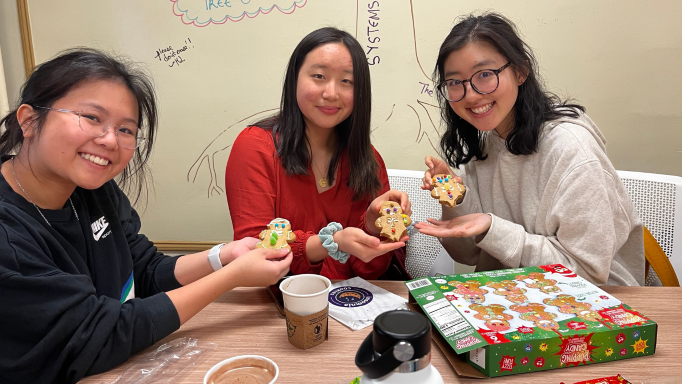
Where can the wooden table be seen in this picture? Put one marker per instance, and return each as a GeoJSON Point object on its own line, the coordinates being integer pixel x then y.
{"type": "Point", "coordinates": [245, 321]}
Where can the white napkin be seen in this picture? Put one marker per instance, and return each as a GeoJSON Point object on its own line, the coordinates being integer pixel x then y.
{"type": "Point", "coordinates": [351, 306]}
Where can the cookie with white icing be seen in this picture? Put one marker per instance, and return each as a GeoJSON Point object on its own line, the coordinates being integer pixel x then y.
{"type": "Point", "coordinates": [447, 190]}
{"type": "Point", "coordinates": [393, 222]}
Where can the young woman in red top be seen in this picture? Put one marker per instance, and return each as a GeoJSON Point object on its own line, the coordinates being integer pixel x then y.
{"type": "Point", "coordinates": [313, 164]}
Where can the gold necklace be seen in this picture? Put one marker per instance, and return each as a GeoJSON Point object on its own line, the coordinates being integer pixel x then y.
{"type": "Point", "coordinates": [323, 182]}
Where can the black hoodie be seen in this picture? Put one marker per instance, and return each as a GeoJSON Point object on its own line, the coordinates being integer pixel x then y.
{"type": "Point", "coordinates": [80, 296]}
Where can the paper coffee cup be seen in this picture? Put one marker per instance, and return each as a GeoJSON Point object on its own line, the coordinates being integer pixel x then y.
{"type": "Point", "coordinates": [245, 369]}
{"type": "Point", "coordinates": [305, 294]}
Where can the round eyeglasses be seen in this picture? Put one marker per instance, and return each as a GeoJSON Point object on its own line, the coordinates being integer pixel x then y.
{"type": "Point", "coordinates": [484, 82]}
{"type": "Point", "coordinates": [128, 135]}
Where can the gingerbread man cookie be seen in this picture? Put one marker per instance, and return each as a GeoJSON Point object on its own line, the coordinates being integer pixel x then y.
{"type": "Point", "coordinates": [393, 222]}
{"type": "Point", "coordinates": [568, 304]}
{"type": "Point", "coordinates": [509, 289]}
{"type": "Point", "coordinates": [447, 191]}
{"type": "Point", "coordinates": [278, 235]}
{"type": "Point", "coordinates": [539, 281]}
{"type": "Point", "coordinates": [493, 315]}
{"type": "Point", "coordinates": [470, 290]}
{"type": "Point", "coordinates": [535, 312]}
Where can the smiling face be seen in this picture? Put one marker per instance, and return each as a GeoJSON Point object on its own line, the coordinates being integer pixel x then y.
{"type": "Point", "coordinates": [324, 90]}
{"type": "Point", "coordinates": [65, 154]}
{"type": "Point", "coordinates": [485, 112]}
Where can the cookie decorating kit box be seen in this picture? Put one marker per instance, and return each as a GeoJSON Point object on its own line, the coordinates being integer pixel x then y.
{"type": "Point", "coordinates": [531, 319]}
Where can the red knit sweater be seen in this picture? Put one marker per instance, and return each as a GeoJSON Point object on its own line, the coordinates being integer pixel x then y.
{"type": "Point", "coordinates": [258, 190]}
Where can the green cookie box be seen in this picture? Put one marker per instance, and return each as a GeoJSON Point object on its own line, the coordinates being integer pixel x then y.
{"type": "Point", "coordinates": [531, 319]}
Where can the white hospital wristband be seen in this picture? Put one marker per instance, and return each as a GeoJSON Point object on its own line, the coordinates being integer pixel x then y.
{"type": "Point", "coordinates": [214, 257]}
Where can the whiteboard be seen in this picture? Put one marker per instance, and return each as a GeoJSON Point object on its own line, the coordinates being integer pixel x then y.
{"type": "Point", "coordinates": [219, 65]}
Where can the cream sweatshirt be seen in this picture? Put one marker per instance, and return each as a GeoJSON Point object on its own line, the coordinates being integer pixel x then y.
{"type": "Point", "coordinates": [562, 204]}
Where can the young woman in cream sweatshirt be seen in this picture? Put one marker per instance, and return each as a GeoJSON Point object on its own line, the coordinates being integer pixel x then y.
{"type": "Point", "coordinates": [540, 187]}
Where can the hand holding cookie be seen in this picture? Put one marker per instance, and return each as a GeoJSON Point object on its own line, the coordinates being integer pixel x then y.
{"type": "Point", "coordinates": [437, 167]}
{"type": "Point", "coordinates": [278, 235]}
{"type": "Point", "coordinates": [363, 246]}
{"type": "Point", "coordinates": [374, 209]}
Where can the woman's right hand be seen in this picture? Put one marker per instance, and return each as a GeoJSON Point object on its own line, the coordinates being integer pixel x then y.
{"type": "Point", "coordinates": [437, 167]}
{"type": "Point", "coordinates": [363, 246]}
{"type": "Point", "coordinates": [261, 267]}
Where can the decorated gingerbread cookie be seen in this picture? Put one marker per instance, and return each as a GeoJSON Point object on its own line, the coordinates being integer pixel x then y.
{"type": "Point", "coordinates": [278, 235]}
{"type": "Point", "coordinates": [509, 289]}
{"type": "Point", "coordinates": [393, 222]}
{"type": "Point", "coordinates": [535, 312]}
{"type": "Point", "coordinates": [447, 191]}
{"type": "Point", "coordinates": [538, 281]}
{"type": "Point", "coordinates": [470, 290]}
{"type": "Point", "coordinates": [568, 304]}
{"type": "Point", "coordinates": [493, 315]}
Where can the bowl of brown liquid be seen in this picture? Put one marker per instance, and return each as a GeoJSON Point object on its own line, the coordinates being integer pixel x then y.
{"type": "Point", "coordinates": [246, 369]}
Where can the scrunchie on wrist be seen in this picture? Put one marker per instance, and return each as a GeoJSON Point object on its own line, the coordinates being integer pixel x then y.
{"type": "Point", "coordinates": [327, 239]}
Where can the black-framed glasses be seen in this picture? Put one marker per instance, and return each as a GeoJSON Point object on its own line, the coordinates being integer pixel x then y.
{"type": "Point", "coordinates": [129, 136]}
{"type": "Point", "coordinates": [484, 82]}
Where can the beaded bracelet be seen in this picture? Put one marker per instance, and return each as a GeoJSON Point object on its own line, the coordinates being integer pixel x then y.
{"type": "Point", "coordinates": [327, 239]}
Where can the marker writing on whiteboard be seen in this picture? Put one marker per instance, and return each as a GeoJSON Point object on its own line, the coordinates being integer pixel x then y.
{"type": "Point", "coordinates": [426, 89]}
{"type": "Point", "coordinates": [372, 31]}
{"type": "Point", "coordinates": [172, 57]}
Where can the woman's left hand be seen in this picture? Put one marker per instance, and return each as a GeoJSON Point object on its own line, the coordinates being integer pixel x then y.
{"type": "Point", "coordinates": [373, 209]}
{"type": "Point", "coordinates": [462, 226]}
{"type": "Point", "coordinates": [233, 250]}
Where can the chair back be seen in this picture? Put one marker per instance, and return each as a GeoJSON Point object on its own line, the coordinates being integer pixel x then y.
{"type": "Point", "coordinates": [658, 200]}
{"type": "Point", "coordinates": [422, 250]}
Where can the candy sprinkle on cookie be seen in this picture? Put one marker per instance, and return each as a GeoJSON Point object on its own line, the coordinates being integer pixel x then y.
{"type": "Point", "coordinates": [447, 191]}
{"type": "Point", "coordinates": [393, 222]}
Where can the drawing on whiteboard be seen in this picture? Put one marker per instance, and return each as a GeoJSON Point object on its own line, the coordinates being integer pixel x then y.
{"type": "Point", "coordinates": [201, 13]}
{"type": "Point", "coordinates": [172, 57]}
{"type": "Point", "coordinates": [368, 23]}
{"type": "Point", "coordinates": [217, 145]}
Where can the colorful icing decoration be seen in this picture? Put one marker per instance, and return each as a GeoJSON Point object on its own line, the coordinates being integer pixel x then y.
{"type": "Point", "coordinates": [277, 235]}
{"type": "Point", "coordinates": [393, 223]}
{"type": "Point", "coordinates": [447, 190]}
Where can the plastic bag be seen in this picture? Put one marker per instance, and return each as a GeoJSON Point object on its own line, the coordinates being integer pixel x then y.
{"type": "Point", "coordinates": [166, 364]}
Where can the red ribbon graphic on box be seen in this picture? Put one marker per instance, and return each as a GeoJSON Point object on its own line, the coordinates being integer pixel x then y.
{"type": "Point", "coordinates": [576, 349]}
{"type": "Point", "coordinates": [559, 269]}
{"type": "Point", "coordinates": [622, 316]}
{"type": "Point", "coordinates": [492, 337]}
{"type": "Point", "coordinates": [507, 363]}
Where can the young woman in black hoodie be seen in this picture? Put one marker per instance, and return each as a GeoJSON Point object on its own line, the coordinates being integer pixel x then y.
{"type": "Point", "coordinates": [81, 290]}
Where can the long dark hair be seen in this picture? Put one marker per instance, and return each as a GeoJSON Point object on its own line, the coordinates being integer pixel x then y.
{"type": "Point", "coordinates": [53, 79]}
{"type": "Point", "coordinates": [352, 135]}
{"type": "Point", "coordinates": [534, 105]}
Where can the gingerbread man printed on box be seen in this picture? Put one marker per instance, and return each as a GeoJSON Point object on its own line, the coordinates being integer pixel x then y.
{"type": "Point", "coordinates": [393, 222]}
{"type": "Point", "coordinates": [509, 289]}
{"type": "Point", "coordinates": [535, 312]}
{"type": "Point", "coordinates": [493, 315]}
{"type": "Point", "coordinates": [568, 304]}
{"type": "Point", "coordinates": [447, 191]}
{"type": "Point", "coordinates": [538, 281]}
{"type": "Point", "coordinates": [278, 235]}
{"type": "Point", "coordinates": [470, 290]}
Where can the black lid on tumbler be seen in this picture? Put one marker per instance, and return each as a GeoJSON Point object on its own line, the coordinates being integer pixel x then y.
{"type": "Point", "coordinates": [395, 326]}
{"type": "Point", "coordinates": [398, 336]}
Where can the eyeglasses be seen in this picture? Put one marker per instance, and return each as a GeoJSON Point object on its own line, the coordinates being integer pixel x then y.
{"type": "Point", "coordinates": [484, 82]}
{"type": "Point", "coordinates": [128, 135]}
